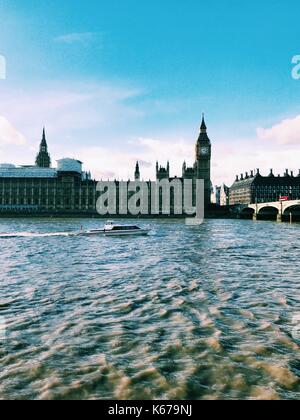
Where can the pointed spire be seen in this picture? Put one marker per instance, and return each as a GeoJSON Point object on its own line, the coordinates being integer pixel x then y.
{"type": "Point", "coordinates": [203, 127]}
{"type": "Point", "coordinates": [184, 168]}
{"type": "Point", "coordinates": [43, 159]}
{"type": "Point", "coordinates": [43, 144]}
{"type": "Point", "coordinates": [137, 174]}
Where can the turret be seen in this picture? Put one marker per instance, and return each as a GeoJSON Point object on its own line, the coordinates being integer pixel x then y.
{"type": "Point", "coordinates": [137, 175]}
{"type": "Point", "coordinates": [161, 172]}
{"type": "Point", "coordinates": [271, 173]}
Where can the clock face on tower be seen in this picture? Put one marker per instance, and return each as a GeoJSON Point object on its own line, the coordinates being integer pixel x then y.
{"type": "Point", "coordinates": [204, 150]}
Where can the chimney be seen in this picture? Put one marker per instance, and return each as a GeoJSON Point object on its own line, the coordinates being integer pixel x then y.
{"type": "Point", "coordinates": [247, 175]}
{"type": "Point", "coordinates": [258, 172]}
{"type": "Point", "coordinates": [292, 174]}
{"type": "Point", "coordinates": [237, 178]}
{"type": "Point", "coordinates": [242, 177]}
{"type": "Point", "coordinates": [252, 173]}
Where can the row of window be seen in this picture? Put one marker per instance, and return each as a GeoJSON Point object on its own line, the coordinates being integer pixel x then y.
{"type": "Point", "coordinates": [50, 191]}
{"type": "Point", "coordinates": [66, 202]}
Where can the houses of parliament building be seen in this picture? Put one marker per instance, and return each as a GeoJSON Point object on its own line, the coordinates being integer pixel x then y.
{"type": "Point", "coordinates": [67, 189]}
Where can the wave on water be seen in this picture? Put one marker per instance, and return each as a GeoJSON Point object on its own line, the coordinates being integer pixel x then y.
{"type": "Point", "coordinates": [174, 316]}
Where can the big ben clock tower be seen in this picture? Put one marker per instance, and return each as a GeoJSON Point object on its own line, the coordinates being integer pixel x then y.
{"type": "Point", "coordinates": [203, 161]}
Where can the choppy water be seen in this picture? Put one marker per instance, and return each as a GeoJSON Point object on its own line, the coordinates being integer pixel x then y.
{"type": "Point", "coordinates": [188, 313]}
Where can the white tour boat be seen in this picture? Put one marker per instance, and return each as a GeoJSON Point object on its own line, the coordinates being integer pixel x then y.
{"type": "Point", "coordinates": [113, 229]}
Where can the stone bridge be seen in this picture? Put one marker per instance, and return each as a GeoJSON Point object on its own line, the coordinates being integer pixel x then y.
{"type": "Point", "coordinates": [278, 208]}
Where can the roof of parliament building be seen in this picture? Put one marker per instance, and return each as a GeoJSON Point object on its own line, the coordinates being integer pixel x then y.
{"type": "Point", "coordinates": [11, 171]}
{"type": "Point", "coordinates": [270, 180]}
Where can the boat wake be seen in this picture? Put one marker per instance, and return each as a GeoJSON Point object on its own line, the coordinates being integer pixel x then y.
{"type": "Point", "coordinates": [33, 235]}
{"type": "Point", "coordinates": [110, 229]}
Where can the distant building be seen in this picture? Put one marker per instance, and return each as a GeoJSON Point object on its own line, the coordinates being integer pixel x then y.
{"type": "Point", "coordinates": [221, 196]}
{"type": "Point", "coordinates": [255, 188]}
{"type": "Point", "coordinates": [42, 188]}
{"type": "Point", "coordinates": [224, 196]}
{"type": "Point", "coordinates": [68, 189]}
{"type": "Point", "coordinates": [215, 195]}
{"type": "Point", "coordinates": [202, 166]}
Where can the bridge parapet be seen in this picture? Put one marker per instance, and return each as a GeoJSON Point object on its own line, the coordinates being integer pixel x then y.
{"type": "Point", "coordinates": [288, 204]}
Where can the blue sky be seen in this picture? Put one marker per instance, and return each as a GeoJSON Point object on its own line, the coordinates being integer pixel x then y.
{"type": "Point", "coordinates": [120, 80]}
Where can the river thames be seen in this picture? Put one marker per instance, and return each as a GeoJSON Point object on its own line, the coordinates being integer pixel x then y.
{"type": "Point", "coordinates": [206, 312]}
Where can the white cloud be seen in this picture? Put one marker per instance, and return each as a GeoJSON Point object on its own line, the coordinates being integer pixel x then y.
{"type": "Point", "coordinates": [119, 163]}
{"type": "Point", "coordinates": [83, 38]}
{"type": "Point", "coordinates": [66, 109]}
{"type": "Point", "coordinates": [231, 158]}
{"type": "Point", "coordinates": [74, 114]}
{"type": "Point", "coordinates": [9, 134]}
{"type": "Point", "coordinates": [285, 132]}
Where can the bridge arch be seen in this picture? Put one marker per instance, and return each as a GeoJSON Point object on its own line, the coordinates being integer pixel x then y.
{"type": "Point", "coordinates": [252, 206]}
{"type": "Point", "coordinates": [293, 211]}
{"type": "Point", "coordinates": [262, 207]}
{"type": "Point", "coordinates": [268, 212]}
{"type": "Point", "coordinates": [247, 213]}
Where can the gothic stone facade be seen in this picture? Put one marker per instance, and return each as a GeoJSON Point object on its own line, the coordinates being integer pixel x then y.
{"type": "Point", "coordinates": [31, 190]}
{"type": "Point", "coordinates": [67, 189]}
